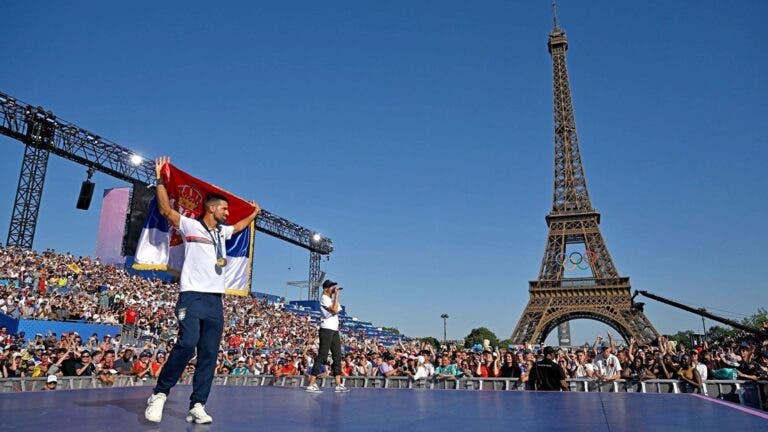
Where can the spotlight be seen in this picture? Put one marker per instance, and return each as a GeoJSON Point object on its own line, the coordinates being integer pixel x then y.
{"type": "Point", "coordinates": [136, 159]}
{"type": "Point", "coordinates": [316, 237]}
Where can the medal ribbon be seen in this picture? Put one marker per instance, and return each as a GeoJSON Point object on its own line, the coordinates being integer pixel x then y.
{"type": "Point", "coordinates": [216, 241]}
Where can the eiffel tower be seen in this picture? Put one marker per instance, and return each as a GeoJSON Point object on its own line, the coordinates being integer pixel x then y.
{"type": "Point", "coordinates": [554, 298]}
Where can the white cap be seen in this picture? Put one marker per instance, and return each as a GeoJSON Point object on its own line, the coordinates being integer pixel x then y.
{"type": "Point", "coordinates": [52, 378]}
{"type": "Point", "coordinates": [241, 359]}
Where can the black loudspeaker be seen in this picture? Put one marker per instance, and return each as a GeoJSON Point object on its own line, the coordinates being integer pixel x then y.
{"type": "Point", "coordinates": [141, 201]}
{"type": "Point", "coordinates": [86, 193]}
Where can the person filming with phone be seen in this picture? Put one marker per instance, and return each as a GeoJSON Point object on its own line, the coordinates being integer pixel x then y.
{"type": "Point", "coordinates": [329, 337]}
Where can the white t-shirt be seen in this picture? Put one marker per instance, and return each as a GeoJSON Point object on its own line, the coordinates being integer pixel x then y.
{"type": "Point", "coordinates": [329, 321]}
{"type": "Point", "coordinates": [608, 366]}
{"type": "Point", "coordinates": [583, 370]}
{"type": "Point", "coordinates": [199, 272]}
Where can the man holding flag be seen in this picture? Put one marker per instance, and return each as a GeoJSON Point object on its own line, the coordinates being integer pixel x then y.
{"type": "Point", "coordinates": [199, 306]}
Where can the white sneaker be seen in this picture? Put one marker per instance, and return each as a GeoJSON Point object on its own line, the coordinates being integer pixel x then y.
{"type": "Point", "coordinates": [313, 388]}
{"type": "Point", "coordinates": [155, 404]}
{"type": "Point", "coordinates": [198, 415]}
{"type": "Point", "coordinates": [341, 389]}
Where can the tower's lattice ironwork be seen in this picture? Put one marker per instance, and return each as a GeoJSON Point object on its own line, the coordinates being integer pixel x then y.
{"type": "Point", "coordinates": [554, 298]}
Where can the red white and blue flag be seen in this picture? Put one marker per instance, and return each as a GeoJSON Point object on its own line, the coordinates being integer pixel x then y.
{"type": "Point", "coordinates": [161, 246]}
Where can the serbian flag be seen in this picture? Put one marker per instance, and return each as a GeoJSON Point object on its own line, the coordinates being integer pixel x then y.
{"type": "Point", "coordinates": [161, 246]}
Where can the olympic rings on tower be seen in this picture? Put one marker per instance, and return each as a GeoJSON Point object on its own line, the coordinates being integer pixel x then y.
{"type": "Point", "coordinates": [575, 260]}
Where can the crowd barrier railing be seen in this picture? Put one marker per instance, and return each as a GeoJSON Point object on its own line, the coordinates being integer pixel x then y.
{"type": "Point", "coordinates": [747, 393]}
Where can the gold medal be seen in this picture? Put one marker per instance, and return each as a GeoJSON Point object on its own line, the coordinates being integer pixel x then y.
{"type": "Point", "coordinates": [221, 262]}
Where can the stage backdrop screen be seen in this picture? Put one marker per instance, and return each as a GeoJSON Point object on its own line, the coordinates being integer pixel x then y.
{"type": "Point", "coordinates": [109, 239]}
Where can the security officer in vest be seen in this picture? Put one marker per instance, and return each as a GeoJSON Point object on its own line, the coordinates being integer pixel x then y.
{"type": "Point", "coordinates": [546, 375]}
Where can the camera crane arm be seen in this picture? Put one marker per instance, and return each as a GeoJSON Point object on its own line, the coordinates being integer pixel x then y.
{"type": "Point", "coordinates": [703, 312]}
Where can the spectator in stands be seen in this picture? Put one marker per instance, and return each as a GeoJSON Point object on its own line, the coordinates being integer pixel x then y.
{"type": "Point", "coordinates": [582, 368]}
{"type": "Point", "coordinates": [124, 364]}
{"type": "Point", "coordinates": [157, 364]}
{"type": "Point", "coordinates": [241, 368]}
{"type": "Point", "coordinates": [347, 367]}
{"type": "Point", "coordinates": [107, 377]}
{"type": "Point", "coordinates": [363, 367]}
{"type": "Point", "coordinates": [223, 369]}
{"type": "Point", "coordinates": [700, 367]}
{"type": "Point", "coordinates": [487, 365]}
{"type": "Point", "coordinates": [51, 382]}
{"type": "Point", "coordinates": [69, 362]}
{"type": "Point", "coordinates": [383, 368]}
{"type": "Point", "coordinates": [607, 366]}
{"type": "Point", "coordinates": [447, 369]}
{"type": "Point", "coordinates": [12, 368]}
{"type": "Point", "coordinates": [84, 367]}
{"type": "Point", "coordinates": [689, 375]}
{"type": "Point", "coordinates": [142, 367]}
{"type": "Point", "coordinates": [510, 368]}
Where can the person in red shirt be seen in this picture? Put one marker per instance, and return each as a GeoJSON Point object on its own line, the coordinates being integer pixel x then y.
{"type": "Point", "coordinates": [130, 316]}
{"type": "Point", "coordinates": [235, 341]}
{"type": "Point", "coordinates": [141, 367]}
{"type": "Point", "coordinates": [488, 366]}
{"type": "Point", "coordinates": [157, 364]}
{"type": "Point", "coordinates": [288, 368]}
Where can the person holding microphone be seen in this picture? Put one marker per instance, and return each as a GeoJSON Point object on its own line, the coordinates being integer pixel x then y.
{"type": "Point", "coordinates": [329, 337]}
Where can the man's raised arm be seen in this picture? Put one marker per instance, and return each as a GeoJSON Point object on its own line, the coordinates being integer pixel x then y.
{"type": "Point", "coordinates": [245, 222]}
{"type": "Point", "coordinates": [163, 203]}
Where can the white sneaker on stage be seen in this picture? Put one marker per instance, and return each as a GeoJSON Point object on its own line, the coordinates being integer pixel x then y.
{"type": "Point", "coordinates": [341, 389]}
{"type": "Point", "coordinates": [313, 388]}
{"type": "Point", "coordinates": [155, 404]}
{"type": "Point", "coordinates": [198, 415]}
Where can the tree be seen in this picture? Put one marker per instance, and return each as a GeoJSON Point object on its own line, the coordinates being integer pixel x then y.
{"type": "Point", "coordinates": [506, 343]}
{"type": "Point", "coordinates": [756, 320]}
{"type": "Point", "coordinates": [682, 337]}
{"type": "Point", "coordinates": [719, 333]}
{"type": "Point", "coordinates": [476, 336]}
{"type": "Point", "coordinates": [432, 341]}
{"type": "Point", "coordinates": [392, 330]}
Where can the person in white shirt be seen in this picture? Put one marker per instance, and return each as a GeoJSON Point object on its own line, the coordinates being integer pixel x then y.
{"type": "Point", "coordinates": [199, 308]}
{"type": "Point", "coordinates": [582, 369]}
{"type": "Point", "coordinates": [608, 367]}
{"type": "Point", "coordinates": [329, 337]}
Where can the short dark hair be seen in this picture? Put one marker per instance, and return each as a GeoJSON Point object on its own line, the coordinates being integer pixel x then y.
{"type": "Point", "coordinates": [214, 198]}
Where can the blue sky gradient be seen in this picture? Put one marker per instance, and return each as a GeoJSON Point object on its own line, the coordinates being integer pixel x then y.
{"type": "Point", "coordinates": [418, 136]}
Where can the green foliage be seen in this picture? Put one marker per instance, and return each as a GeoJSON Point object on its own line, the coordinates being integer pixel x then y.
{"type": "Point", "coordinates": [718, 332]}
{"type": "Point", "coordinates": [477, 335]}
{"type": "Point", "coordinates": [505, 343]}
{"type": "Point", "coordinates": [391, 330]}
{"type": "Point", "coordinates": [682, 337]}
{"type": "Point", "coordinates": [757, 319]}
{"type": "Point", "coordinates": [432, 341]}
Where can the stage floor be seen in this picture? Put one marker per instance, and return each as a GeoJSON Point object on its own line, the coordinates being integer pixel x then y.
{"type": "Point", "coordinates": [275, 409]}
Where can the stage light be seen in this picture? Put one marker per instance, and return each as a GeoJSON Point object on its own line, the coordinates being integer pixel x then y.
{"type": "Point", "coordinates": [316, 237]}
{"type": "Point", "coordinates": [136, 159]}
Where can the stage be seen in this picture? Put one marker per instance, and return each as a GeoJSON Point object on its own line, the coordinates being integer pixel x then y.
{"type": "Point", "coordinates": [275, 409]}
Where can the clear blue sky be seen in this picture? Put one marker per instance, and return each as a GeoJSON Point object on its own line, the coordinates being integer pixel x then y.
{"type": "Point", "coordinates": [418, 136]}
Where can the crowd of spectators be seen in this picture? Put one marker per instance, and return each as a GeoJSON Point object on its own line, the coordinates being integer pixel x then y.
{"type": "Point", "coordinates": [263, 338]}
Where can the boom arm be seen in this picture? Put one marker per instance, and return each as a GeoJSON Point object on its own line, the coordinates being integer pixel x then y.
{"type": "Point", "coordinates": [703, 312]}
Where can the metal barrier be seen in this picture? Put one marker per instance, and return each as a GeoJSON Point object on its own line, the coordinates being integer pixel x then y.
{"type": "Point", "coordinates": [747, 393]}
